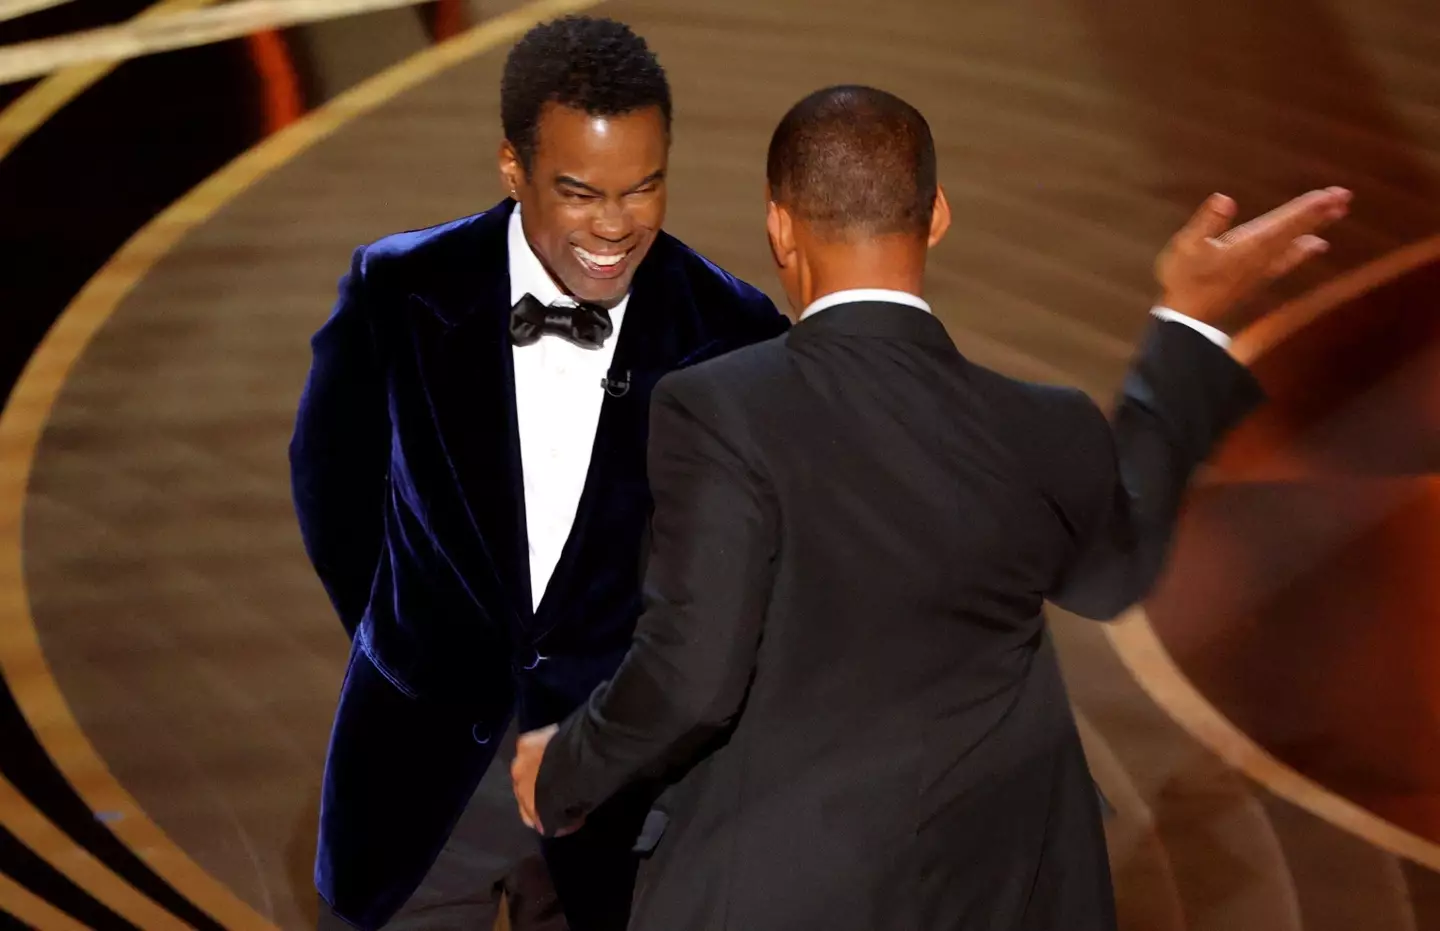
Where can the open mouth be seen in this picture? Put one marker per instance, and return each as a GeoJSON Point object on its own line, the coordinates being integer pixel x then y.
{"type": "Point", "coordinates": [599, 265]}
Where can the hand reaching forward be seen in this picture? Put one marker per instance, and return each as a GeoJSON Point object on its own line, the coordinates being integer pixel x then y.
{"type": "Point", "coordinates": [1208, 270]}
{"type": "Point", "coordinates": [529, 753]}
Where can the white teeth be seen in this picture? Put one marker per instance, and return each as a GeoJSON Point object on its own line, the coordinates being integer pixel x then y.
{"type": "Point", "coordinates": [602, 261]}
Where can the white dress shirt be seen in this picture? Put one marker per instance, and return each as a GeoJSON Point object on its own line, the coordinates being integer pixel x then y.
{"type": "Point", "coordinates": [558, 394]}
{"type": "Point", "coordinates": [1216, 336]}
{"type": "Point", "coordinates": [858, 295]}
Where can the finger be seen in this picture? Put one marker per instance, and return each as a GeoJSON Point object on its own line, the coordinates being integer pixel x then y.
{"type": "Point", "coordinates": [1301, 250]}
{"type": "Point", "coordinates": [1212, 219]}
{"type": "Point", "coordinates": [1301, 215]}
{"type": "Point", "coordinates": [1304, 215]}
{"type": "Point", "coordinates": [528, 815]}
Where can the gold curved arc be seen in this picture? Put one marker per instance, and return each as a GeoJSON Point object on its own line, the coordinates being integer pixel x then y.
{"type": "Point", "coordinates": [54, 846]}
{"type": "Point", "coordinates": [14, 9]}
{"type": "Point", "coordinates": [176, 30]}
{"type": "Point", "coordinates": [1140, 649]}
{"type": "Point", "coordinates": [33, 910]}
{"type": "Point", "coordinates": [1293, 316]}
{"type": "Point", "coordinates": [1114, 779]}
{"type": "Point", "coordinates": [24, 417]}
{"type": "Point", "coordinates": [30, 110]}
{"type": "Point", "coordinates": [29, 825]}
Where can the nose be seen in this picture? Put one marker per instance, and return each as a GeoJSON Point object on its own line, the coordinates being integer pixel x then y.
{"type": "Point", "coordinates": [613, 224]}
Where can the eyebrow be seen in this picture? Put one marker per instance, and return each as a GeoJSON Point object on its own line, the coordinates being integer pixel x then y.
{"type": "Point", "coordinates": [568, 181]}
{"type": "Point", "coordinates": [648, 180]}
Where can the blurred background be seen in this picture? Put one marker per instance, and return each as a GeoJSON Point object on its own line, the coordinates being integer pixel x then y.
{"type": "Point", "coordinates": [182, 182]}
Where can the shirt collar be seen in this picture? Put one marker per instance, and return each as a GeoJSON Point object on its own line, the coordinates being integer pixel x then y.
{"type": "Point", "coordinates": [863, 295]}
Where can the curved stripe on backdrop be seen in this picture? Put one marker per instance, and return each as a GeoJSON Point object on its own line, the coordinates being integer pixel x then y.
{"type": "Point", "coordinates": [33, 910]}
{"type": "Point", "coordinates": [75, 857]}
{"type": "Point", "coordinates": [1138, 646]}
{"type": "Point", "coordinates": [182, 30]}
{"type": "Point", "coordinates": [30, 110]}
{"type": "Point", "coordinates": [1273, 329]}
{"type": "Point", "coordinates": [1145, 656]}
{"type": "Point", "coordinates": [23, 422]}
{"type": "Point", "coordinates": [14, 9]}
{"type": "Point", "coordinates": [24, 418]}
{"type": "Point", "coordinates": [45, 840]}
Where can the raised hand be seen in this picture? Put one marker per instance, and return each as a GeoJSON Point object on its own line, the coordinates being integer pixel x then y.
{"type": "Point", "coordinates": [1209, 270]}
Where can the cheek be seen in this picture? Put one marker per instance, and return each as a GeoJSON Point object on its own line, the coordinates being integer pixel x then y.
{"type": "Point", "coordinates": [562, 235]}
{"type": "Point", "coordinates": [651, 213]}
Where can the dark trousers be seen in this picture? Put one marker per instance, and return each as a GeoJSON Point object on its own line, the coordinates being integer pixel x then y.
{"type": "Point", "coordinates": [594, 869]}
{"type": "Point", "coordinates": [489, 853]}
{"type": "Point", "coordinates": [490, 850]}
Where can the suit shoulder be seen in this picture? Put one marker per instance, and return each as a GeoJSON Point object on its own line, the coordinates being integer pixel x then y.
{"type": "Point", "coordinates": [732, 308]}
{"type": "Point", "coordinates": [729, 378]}
{"type": "Point", "coordinates": [726, 394]}
{"type": "Point", "coordinates": [1039, 399]}
{"type": "Point", "coordinates": [1050, 424]}
{"type": "Point", "coordinates": [398, 251]}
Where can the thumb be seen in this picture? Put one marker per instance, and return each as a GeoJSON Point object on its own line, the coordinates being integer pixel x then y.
{"type": "Point", "coordinates": [1210, 220]}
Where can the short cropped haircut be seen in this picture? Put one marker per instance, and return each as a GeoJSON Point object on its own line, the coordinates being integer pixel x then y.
{"type": "Point", "coordinates": [854, 162]}
{"type": "Point", "coordinates": [585, 63]}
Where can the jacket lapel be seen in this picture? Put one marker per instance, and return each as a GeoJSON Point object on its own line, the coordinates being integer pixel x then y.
{"type": "Point", "coordinates": [467, 368]}
{"type": "Point", "coordinates": [661, 332]}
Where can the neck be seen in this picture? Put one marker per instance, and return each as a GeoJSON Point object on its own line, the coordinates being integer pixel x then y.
{"type": "Point", "coordinates": [886, 263]}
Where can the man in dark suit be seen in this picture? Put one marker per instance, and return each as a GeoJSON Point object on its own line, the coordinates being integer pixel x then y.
{"type": "Point", "coordinates": [843, 670]}
{"type": "Point", "coordinates": [469, 473]}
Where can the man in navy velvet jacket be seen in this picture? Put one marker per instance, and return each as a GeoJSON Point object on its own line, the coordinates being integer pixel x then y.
{"type": "Point", "coordinates": [469, 473]}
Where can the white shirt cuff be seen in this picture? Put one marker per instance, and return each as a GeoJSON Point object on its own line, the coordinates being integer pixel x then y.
{"type": "Point", "coordinates": [1216, 336]}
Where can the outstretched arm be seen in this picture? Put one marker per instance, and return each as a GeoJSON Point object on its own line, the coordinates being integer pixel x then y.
{"type": "Point", "coordinates": [1183, 394]}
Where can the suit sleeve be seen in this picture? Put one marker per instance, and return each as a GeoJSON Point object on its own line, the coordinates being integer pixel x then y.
{"type": "Point", "coordinates": [339, 453]}
{"type": "Point", "coordinates": [707, 584]}
{"type": "Point", "coordinates": [1180, 398]}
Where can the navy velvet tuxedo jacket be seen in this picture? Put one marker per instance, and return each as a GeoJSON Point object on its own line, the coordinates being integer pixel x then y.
{"type": "Point", "coordinates": [407, 475]}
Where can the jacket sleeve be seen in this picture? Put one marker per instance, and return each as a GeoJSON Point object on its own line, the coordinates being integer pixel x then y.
{"type": "Point", "coordinates": [707, 586]}
{"type": "Point", "coordinates": [1182, 395]}
{"type": "Point", "coordinates": [339, 452]}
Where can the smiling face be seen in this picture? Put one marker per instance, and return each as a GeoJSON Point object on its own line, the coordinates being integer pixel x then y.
{"type": "Point", "coordinates": [594, 197]}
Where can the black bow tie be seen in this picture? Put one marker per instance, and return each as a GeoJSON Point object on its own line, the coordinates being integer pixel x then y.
{"type": "Point", "coordinates": [587, 326]}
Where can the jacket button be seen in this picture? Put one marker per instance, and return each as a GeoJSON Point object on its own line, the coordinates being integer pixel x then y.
{"type": "Point", "coordinates": [481, 735]}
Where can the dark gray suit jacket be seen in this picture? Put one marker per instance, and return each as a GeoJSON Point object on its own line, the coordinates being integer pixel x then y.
{"type": "Point", "coordinates": [843, 673]}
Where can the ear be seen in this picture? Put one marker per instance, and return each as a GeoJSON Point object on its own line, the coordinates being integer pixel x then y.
{"type": "Point", "coordinates": [512, 174]}
{"type": "Point", "coordinates": [780, 228]}
{"type": "Point", "coordinates": [939, 217]}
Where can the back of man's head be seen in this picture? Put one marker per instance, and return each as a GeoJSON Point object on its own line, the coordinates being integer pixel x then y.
{"type": "Point", "coordinates": [854, 163]}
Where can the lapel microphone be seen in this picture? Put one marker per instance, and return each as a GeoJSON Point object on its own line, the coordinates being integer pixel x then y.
{"type": "Point", "coordinates": [616, 387]}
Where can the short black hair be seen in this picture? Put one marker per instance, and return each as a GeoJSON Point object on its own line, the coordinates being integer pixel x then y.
{"type": "Point", "coordinates": [587, 63]}
{"type": "Point", "coordinates": [854, 161]}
